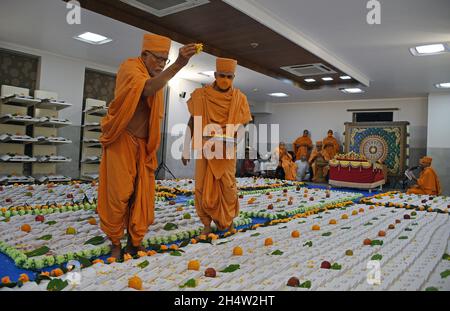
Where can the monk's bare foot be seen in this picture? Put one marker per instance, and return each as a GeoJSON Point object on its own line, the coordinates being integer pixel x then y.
{"type": "Point", "coordinates": [133, 250]}
{"type": "Point", "coordinates": [116, 251]}
{"type": "Point", "coordinates": [206, 230]}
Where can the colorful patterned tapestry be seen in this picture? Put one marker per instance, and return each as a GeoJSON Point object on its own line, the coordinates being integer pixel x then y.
{"type": "Point", "coordinates": [379, 141]}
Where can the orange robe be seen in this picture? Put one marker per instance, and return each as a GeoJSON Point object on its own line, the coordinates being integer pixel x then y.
{"type": "Point", "coordinates": [331, 146]}
{"type": "Point", "coordinates": [301, 147]}
{"type": "Point", "coordinates": [288, 165]}
{"type": "Point", "coordinates": [427, 183]}
{"type": "Point", "coordinates": [312, 161]}
{"type": "Point", "coordinates": [216, 197]}
{"type": "Point", "coordinates": [127, 181]}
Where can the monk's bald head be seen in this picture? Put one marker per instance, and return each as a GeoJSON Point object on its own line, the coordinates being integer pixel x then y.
{"type": "Point", "coordinates": [305, 133]}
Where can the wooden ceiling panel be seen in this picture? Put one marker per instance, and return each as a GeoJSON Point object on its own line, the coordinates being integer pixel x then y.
{"type": "Point", "coordinates": [225, 32]}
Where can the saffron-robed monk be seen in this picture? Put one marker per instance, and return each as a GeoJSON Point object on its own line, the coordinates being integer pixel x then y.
{"type": "Point", "coordinates": [216, 197]}
{"type": "Point", "coordinates": [130, 139]}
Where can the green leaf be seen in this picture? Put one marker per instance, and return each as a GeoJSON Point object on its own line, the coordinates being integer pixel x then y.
{"type": "Point", "coordinates": [446, 256]}
{"type": "Point", "coordinates": [306, 284]}
{"type": "Point", "coordinates": [283, 227]}
{"type": "Point", "coordinates": [175, 253]}
{"type": "Point", "coordinates": [155, 247]}
{"type": "Point", "coordinates": [408, 229]}
{"type": "Point", "coordinates": [143, 264]}
{"type": "Point", "coordinates": [431, 289]}
{"type": "Point", "coordinates": [221, 243]}
{"type": "Point", "coordinates": [95, 240]}
{"type": "Point", "coordinates": [309, 244]}
{"type": "Point", "coordinates": [231, 268]}
{"type": "Point", "coordinates": [184, 243]}
{"type": "Point", "coordinates": [277, 252]}
{"type": "Point", "coordinates": [336, 266]}
{"type": "Point", "coordinates": [57, 285]}
{"type": "Point", "coordinates": [445, 273]}
{"type": "Point", "coordinates": [368, 224]}
{"type": "Point", "coordinates": [170, 226]}
{"type": "Point", "coordinates": [256, 234]}
{"type": "Point", "coordinates": [85, 262]}
{"type": "Point", "coordinates": [83, 219]}
{"type": "Point", "coordinates": [302, 222]}
{"type": "Point", "coordinates": [39, 278]}
{"type": "Point", "coordinates": [376, 257]}
{"type": "Point", "coordinates": [38, 252]}
{"type": "Point", "coordinates": [346, 228]}
{"type": "Point", "coordinates": [403, 237]}
{"type": "Point", "coordinates": [50, 223]}
{"type": "Point", "coordinates": [45, 237]}
{"type": "Point", "coordinates": [189, 283]}
{"type": "Point", "coordinates": [376, 242]}
{"type": "Point", "coordinates": [326, 234]}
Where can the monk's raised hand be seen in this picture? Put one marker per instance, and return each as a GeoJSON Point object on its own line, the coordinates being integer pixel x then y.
{"type": "Point", "coordinates": [185, 53]}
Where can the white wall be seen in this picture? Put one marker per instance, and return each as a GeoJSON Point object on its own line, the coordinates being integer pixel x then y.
{"type": "Point", "coordinates": [318, 117]}
{"type": "Point", "coordinates": [178, 114]}
{"type": "Point", "coordinates": [438, 142]}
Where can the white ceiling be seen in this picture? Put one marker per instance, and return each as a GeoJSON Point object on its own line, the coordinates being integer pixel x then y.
{"type": "Point", "coordinates": [380, 52]}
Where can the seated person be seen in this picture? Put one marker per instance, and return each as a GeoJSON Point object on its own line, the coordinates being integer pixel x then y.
{"type": "Point", "coordinates": [248, 166]}
{"type": "Point", "coordinates": [319, 155]}
{"type": "Point", "coordinates": [285, 162]}
{"type": "Point", "coordinates": [302, 169]}
{"type": "Point", "coordinates": [428, 181]}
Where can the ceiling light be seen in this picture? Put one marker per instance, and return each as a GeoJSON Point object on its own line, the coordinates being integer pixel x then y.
{"type": "Point", "coordinates": [430, 49]}
{"type": "Point", "coordinates": [207, 73]}
{"type": "Point", "coordinates": [92, 38]}
{"type": "Point", "coordinates": [278, 94]}
{"type": "Point", "coordinates": [310, 80]}
{"type": "Point", "coordinates": [353, 90]}
{"type": "Point", "coordinates": [345, 77]}
{"type": "Point", "coordinates": [327, 79]}
{"type": "Point", "coordinates": [444, 85]}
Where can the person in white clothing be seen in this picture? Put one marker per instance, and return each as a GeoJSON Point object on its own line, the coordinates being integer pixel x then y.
{"type": "Point", "coordinates": [302, 169]}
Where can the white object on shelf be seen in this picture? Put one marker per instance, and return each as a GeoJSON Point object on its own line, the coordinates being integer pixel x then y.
{"type": "Point", "coordinates": [18, 119]}
{"type": "Point", "coordinates": [92, 126]}
{"type": "Point", "coordinates": [53, 158]}
{"type": "Point", "coordinates": [16, 179]}
{"type": "Point", "coordinates": [53, 178]}
{"type": "Point", "coordinates": [97, 111]}
{"type": "Point", "coordinates": [8, 90]}
{"type": "Point", "coordinates": [43, 140]}
{"type": "Point", "coordinates": [16, 158]}
{"type": "Point", "coordinates": [91, 160]}
{"type": "Point", "coordinates": [20, 101]}
{"type": "Point", "coordinates": [17, 139]}
{"type": "Point", "coordinates": [53, 122]}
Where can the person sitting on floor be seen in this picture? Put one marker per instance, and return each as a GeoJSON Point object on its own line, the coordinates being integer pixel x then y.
{"type": "Point", "coordinates": [428, 181]}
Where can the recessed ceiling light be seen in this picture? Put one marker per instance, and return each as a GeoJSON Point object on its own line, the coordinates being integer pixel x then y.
{"type": "Point", "coordinates": [430, 49]}
{"type": "Point", "coordinates": [255, 90]}
{"type": "Point", "coordinates": [327, 79]}
{"type": "Point", "coordinates": [310, 80]}
{"type": "Point", "coordinates": [278, 94]}
{"type": "Point", "coordinates": [353, 90]}
{"type": "Point", "coordinates": [444, 85]}
{"type": "Point", "coordinates": [345, 77]}
{"type": "Point", "coordinates": [207, 73]}
{"type": "Point", "coordinates": [92, 38]}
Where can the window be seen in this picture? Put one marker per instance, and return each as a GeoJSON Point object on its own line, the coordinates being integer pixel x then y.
{"type": "Point", "coordinates": [376, 116]}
